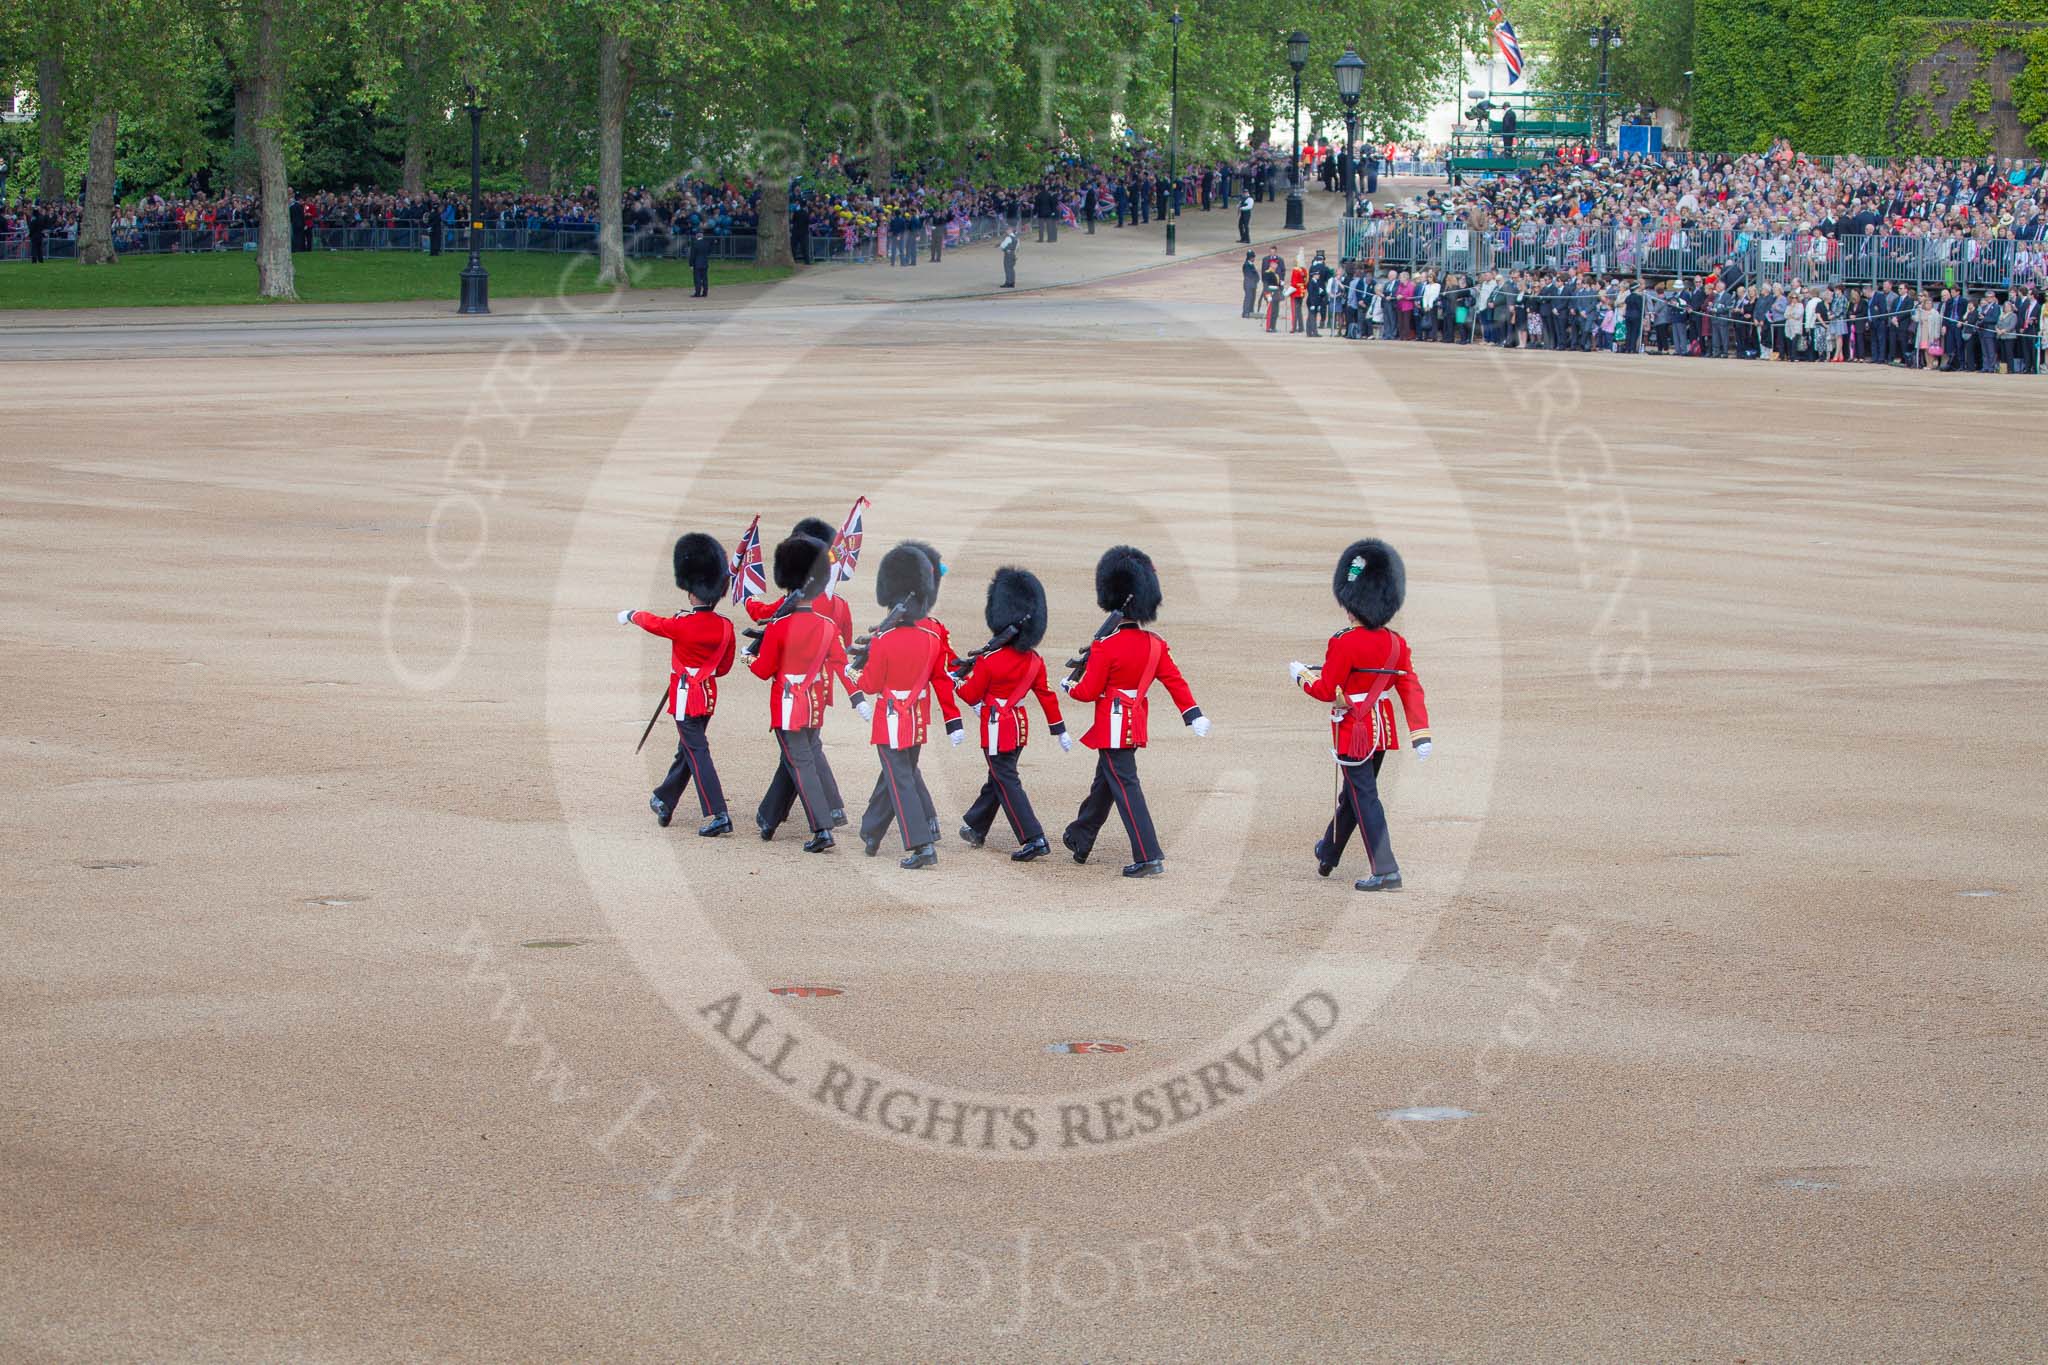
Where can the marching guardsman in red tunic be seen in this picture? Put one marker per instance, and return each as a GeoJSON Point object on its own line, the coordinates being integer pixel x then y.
{"type": "Point", "coordinates": [1121, 668]}
{"type": "Point", "coordinates": [1006, 671]}
{"type": "Point", "coordinates": [948, 706]}
{"type": "Point", "coordinates": [841, 612]}
{"type": "Point", "coordinates": [906, 664]}
{"type": "Point", "coordinates": [799, 651]}
{"type": "Point", "coordinates": [700, 653]}
{"type": "Point", "coordinates": [1365, 667]}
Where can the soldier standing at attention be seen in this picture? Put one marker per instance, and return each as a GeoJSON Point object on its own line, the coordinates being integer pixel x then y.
{"type": "Point", "coordinates": [1251, 283]}
{"type": "Point", "coordinates": [1010, 257]}
{"type": "Point", "coordinates": [1361, 666]}
{"type": "Point", "coordinates": [1120, 671]}
{"type": "Point", "coordinates": [700, 653]}
{"type": "Point", "coordinates": [798, 651]}
{"type": "Point", "coordinates": [1000, 681]}
{"type": "Point", "coordinates": [906, 663]}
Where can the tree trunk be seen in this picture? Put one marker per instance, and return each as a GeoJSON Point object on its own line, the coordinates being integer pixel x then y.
{"type": "Point", "coordinates": [611, 137]}
{"type": "Point", "coordinates": [96, 228]}
{"type": "Point", "coordinates": [772, 236]}
{"type": "Point", "coordinates": [274, 276]}
{"type": "Point", "coordinates": [881, 165]}
{"type": "Point", "coordinates": [242, 156]}
{"type": "Point", "coordinates": [536, 167]}
{"type": "Point", "coordinates": [50, 124]}
{"type": "Point", "coordinates": [412, 174]}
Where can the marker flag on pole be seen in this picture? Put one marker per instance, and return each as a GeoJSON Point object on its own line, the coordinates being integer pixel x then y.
{"type": "Point", "coordinates": [748, 579]}
{"type": "Point", "coordinates": [1504, 39]}
{"type": "Point", "coordinates": [846, 548]}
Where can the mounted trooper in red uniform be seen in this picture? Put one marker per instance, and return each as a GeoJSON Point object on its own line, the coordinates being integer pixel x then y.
{"type": "Point", "coordinates": [1365, 667]}
{"type": "Point", "coordinates": [1001, 679]}
{"type": "Point", "coordinates": [700, 653]}
{"type": "Point", "coordinates": [906, 664]}
{"type": "Point", "coordinates": [1120, 672]}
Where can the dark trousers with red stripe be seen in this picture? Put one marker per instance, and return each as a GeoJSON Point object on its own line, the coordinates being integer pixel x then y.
{"type": "Point", "coordinates": [900, 797]}
{"type": "Point", "coordinates": [797, 780]}
{"type": "Point", "coordinates": [1116, 786]}
{"type": "Point", "coordinates": [693, 762]}
{"type": "Point", "coordinates": [1004, 791]}
{"type": "Point", "coordinates": [1358, 807]}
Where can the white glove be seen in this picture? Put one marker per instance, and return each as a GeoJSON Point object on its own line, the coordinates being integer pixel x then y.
{"type": "Point", "coordinates": [958, 737]}
{"type": "Point", "coordinates": [1200, 725]}
{"type": "Point", "coordinates": [866, 709]}
{"type": "Point", "coordinates": [1066, 685]}
{"type": "Point", "coordinates": [1066, 742]}
{"type": "Point", "coordinates": [1296, 669]}
{"type": "Point", "coordinates": [1421, 750]}
{"type": "Point", "coordinates": [626, 617]}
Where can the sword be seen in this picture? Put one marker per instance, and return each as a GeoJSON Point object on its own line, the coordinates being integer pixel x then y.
{"type": "Point", "coordinates": [659, 704]}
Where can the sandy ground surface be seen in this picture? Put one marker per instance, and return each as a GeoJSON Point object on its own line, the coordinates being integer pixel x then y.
{"type": "Point", "coordinates": [355, 1008]}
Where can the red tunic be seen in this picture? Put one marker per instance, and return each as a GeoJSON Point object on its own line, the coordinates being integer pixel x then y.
{"type": "Point", "coordinates": [1120, 671]}
{"type": "Point", "coordinates": [841, 615]}
{"type": "Point", "coordinates": [905, 666]}
{"type": "Point", "coordinates": [1361, 702]}
{"type": "Point", "coordinates": [797, 653]}
{"type": "Point", "coordinates": [943, 688]}
{"type": "Point", "coordinates": [700, 653]}
{"type": "Point", "coordinates": [999, 683]}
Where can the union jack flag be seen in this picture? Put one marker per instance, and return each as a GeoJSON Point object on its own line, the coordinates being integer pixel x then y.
{"type": "Point", "coordinates": [1504, 39]}
{"type": "Point", "coordinates": [748, 579]}
{"type": "Point", "coordinates": [846, 548]}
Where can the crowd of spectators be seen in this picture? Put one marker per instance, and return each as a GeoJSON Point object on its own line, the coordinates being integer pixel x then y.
{"type": "Point", "coordinates": [1923, 263]}
{"type": "Point", "coordinates": [832, 214]}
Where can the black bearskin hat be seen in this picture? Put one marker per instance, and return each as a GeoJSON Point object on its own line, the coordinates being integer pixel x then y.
{"type": "Point", "coordinates": [1016, 598]}
{"type": "Point", "coordinates": [1126, 572]}
{"type": "Point", "coordinates": [905, 572]}
{"type": "Point", "coordinates": [702, 569]}
{"type": "Point", "coordinates": [816, 528]}
{"type": "Point", "coordinates": [1370, 582]}
{"type": "Point", "coordinates": [802, 565]}
{"type": "Point", "coordinates": [938, 566]}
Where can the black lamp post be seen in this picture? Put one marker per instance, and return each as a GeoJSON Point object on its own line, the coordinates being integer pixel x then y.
{"type": "Point", "coordinates": [1173, 140]}
{"type": "Point", "coordinates": [1606, 38]}
{"type": "Point", "coordinates": [476, 281]}
{"type": "Point", "coordinates": [1297, 57]}
{"type": "Point", "coordinates": [1350, 69]}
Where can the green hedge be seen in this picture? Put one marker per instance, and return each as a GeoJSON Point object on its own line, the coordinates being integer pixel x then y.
{"type": "Point", "coordinates": [1829, 74]}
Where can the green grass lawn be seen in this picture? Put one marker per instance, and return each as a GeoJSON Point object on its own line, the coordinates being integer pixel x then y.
{"type": "Point", "coordinates": [330, 277]}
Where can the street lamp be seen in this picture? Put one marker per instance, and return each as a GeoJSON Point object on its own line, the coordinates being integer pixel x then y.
{"type": "Point", "coordinates": [476, 281]}
{"type": "Point", "coordinates": [1605, 39]}
{"type": "Point", "coordinates": [1350, 70]}
{"type": "Point", "coordinates": [1173, 140]}
{"type": "Point", "coordinates": [1688, 113]}
{"type": "Point", "coordinates": [1297, 57]}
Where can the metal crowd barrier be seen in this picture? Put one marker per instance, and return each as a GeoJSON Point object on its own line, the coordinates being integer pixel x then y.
{"type": "Point", "coordinates": [1788, 258]}
{"type": "Point", "coordinates": [647, 243]}
{"type": "Point", "coordinates": [834, 248]}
